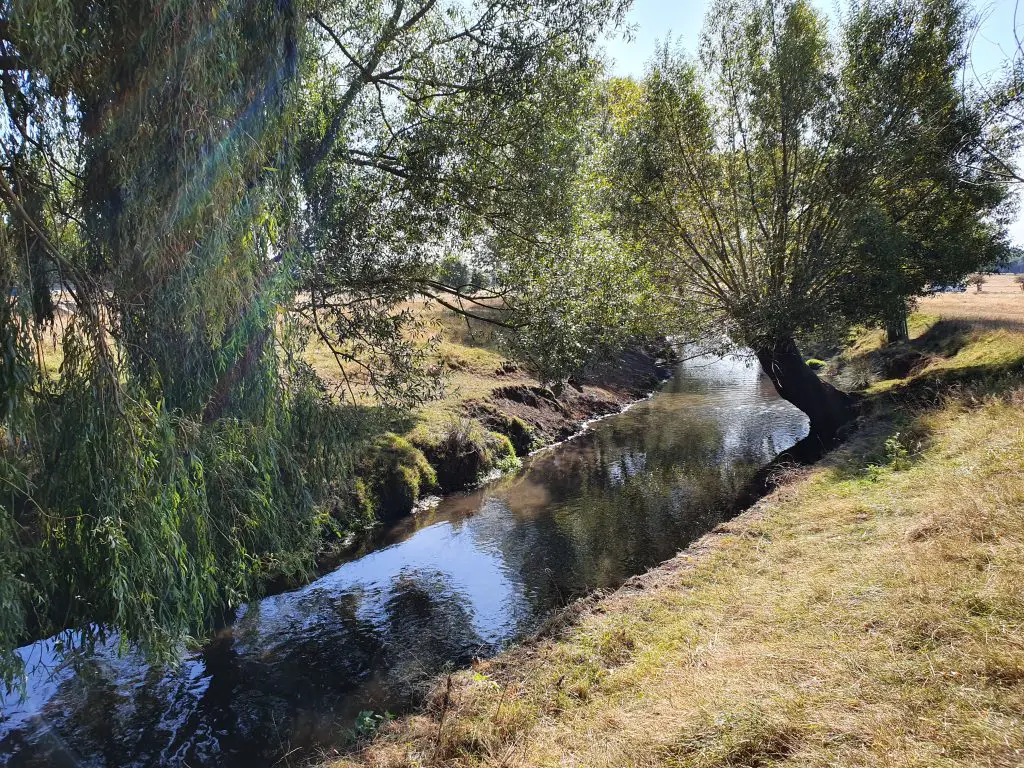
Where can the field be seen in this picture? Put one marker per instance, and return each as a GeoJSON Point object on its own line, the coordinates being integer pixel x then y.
{"type": "Point", "coordinates": [867, 613]}
{"type": "Point", "coordinates": [1000, 303]}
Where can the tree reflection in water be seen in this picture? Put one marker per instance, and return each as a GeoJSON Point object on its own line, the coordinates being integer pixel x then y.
{"type": "Point", "coordinates": [481, 570]}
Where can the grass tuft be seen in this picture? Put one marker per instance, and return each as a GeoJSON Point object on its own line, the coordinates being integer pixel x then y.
{"type": "Point", "coordinates": [464, 452]}
{"type": "Point", "coordinates": [753, 737]}
{"type": "Point", "coordinates": [392, 476]}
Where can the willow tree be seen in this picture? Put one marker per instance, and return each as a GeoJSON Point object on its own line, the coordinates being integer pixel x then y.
{"type": "Point", "coordinates": [173, 177]}
{"type": "Point", "coordinates": [1004, 110]}
{"type": "Point", "coordinates": [150, 471]}
{"type": "Point", "coordinates": [791, 184]}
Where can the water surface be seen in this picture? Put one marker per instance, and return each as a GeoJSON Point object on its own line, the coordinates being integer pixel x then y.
{"type": "Point", "coordinates": [460, 581]}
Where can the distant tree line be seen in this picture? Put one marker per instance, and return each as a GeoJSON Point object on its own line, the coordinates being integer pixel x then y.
{"type": "Point", "coordinates": [1014, 261]}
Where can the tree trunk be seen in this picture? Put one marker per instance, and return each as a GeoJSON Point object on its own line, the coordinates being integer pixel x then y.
{"type": "Point", "coordinates": [896, 328]}
{"type": "Point", "coordinates": [827, 407]}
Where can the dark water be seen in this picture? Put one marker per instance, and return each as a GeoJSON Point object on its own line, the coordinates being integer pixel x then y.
{"type": "Point", "coordinates": [460, 581]}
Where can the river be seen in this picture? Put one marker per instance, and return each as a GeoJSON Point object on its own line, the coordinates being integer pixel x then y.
{"type": "Point", "coordinates": [462, 580]}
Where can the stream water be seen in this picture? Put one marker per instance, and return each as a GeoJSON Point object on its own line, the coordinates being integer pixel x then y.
{"type": "Point", "coordinates": [463, 580]}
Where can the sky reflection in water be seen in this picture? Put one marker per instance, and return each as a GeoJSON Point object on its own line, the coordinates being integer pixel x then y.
{"type": "Point", "coordinates": [463, 580]}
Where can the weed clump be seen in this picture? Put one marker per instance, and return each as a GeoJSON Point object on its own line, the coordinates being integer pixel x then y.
{"type": "Point", "coordinates": [393, 475]}
{"type": "Point", "coordinates": [465, 452]}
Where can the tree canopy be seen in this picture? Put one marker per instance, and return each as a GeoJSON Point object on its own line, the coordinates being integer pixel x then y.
{"type": "Point", "coordinates": [793, 182]}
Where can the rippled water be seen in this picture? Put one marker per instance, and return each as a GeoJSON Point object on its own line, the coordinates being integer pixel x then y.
{"type": "Point", "coordinates": [463, 580]}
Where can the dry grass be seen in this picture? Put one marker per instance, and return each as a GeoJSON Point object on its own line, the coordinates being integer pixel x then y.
{"type": "Point", "coordinates": [467, 353]}
{"type": "Point", "coordinates": [868, 613]}
{"type": "Point", "coordinates": [1000, 303]}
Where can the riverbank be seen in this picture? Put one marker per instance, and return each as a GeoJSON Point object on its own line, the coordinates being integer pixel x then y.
{"type": "Point", "coordinates": [867, 612]}
{"type": "Point", "coordinates": [488, 413]}
{"type": "Point", "coordinates": [479, 381]}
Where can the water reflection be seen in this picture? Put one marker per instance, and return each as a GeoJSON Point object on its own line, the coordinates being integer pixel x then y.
{"type": "Point", "coordinates": [461, 581]}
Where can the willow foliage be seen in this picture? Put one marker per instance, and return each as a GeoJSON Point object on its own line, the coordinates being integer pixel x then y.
{"type": "Point", "coordinates": [468, 142]}
{"type": "Point", "coordinates": [152, 478]}
{"type": "Point", "coordinates": [792, 181]}
{"type": "Point", "coordinates": [189, 190]}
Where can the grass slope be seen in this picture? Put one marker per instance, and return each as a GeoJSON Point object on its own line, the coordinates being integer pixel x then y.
{"type": "Point", "coordinates": [869, 612]}
{"type": "Point", "coordinates": [467, 352]}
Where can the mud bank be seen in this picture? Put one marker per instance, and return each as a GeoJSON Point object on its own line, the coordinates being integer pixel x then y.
{"type": "Point", "coordinates": [533, 417]}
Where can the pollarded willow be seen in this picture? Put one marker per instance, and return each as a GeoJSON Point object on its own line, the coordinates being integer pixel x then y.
{"type": "Point", "coordinates": [792, 183]}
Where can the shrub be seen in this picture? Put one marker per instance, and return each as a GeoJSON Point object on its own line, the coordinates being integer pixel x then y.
{"type": "Point", "coordinates": [897, 453]}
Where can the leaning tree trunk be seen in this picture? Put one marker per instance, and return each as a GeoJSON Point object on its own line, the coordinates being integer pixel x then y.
{"type": "Point", "coordinates": [827, 407]}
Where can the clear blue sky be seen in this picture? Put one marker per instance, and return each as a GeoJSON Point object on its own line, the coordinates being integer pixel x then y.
{"type": "Point", "coordinates": [653, 21]}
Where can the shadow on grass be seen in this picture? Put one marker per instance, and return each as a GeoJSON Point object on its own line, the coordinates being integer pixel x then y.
{"type": "Point", "coordinates": [892, 432]}
{"type": "Point", "coordinates": [893, 442]}
{"type": "Point", "coordinates": [945, 339]}
{"type": "Point", "coordinates": [926, 385]}
{"type": "Point", "coordinates": [996, 324]}
{"type": "Point", "coordinates": [923, 368]}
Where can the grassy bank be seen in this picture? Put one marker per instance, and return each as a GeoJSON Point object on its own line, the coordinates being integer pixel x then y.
{"type": "Point", "coordinates": [488, 411]}
{"type": "Point", "coordinates": [868, 612]}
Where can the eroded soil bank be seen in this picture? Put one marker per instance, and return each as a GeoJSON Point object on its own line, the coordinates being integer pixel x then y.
{"type": "Point", "coordinates": [484, 429]}
{"type": "Point", "coordinates": [550, 416]}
